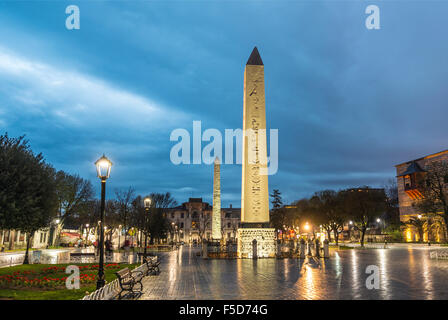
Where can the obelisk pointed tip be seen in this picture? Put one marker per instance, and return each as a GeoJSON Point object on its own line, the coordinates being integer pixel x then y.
{"type": "Point", "coordinates": [255, 59]}
{"type": "Point", "coordinates": [217, 161]}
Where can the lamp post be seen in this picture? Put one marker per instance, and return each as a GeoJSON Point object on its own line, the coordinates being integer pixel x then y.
{"type": "Point", "coordinates": [147, 203]}
{"type": "Point", "coordinates": [103, 166]}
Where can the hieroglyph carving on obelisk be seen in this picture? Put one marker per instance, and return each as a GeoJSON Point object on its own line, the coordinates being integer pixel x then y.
{"type": "Point", "coordinates": [216, 219]}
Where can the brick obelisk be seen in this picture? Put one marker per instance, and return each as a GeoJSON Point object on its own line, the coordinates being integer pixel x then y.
{"type": "Point", "coordinates": [216, 218]}
{"type": "Point", "coordinates": [255, 238]}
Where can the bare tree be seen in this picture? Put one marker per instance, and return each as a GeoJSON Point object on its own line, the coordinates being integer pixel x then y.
{"type": "Point", "coordinates": [123, 201]}
{"type": "Point", "coordinates": [435, 193]}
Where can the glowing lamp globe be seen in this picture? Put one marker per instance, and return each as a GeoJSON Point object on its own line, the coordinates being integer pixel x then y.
{"type": "Point", "coordinates": [103, 166]}
{"type": "Point", "coordinates": [147, 202]}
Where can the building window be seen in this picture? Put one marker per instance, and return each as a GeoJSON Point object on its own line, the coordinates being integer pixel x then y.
{"type": "Point", "coordinates": [181, 225]}
{"type": "Point", "coordinates": [228, 215]}
{"type": "Point", "coordinates": [172, 215]}
{"type": "Point", "coordinates": [228, 235]}
{"type": "Point", "coordinates": [41, 237]}
{"type": "Point", "coordinates": [229, 225]}
{"type": "Point", "coordinates": [182, 215]}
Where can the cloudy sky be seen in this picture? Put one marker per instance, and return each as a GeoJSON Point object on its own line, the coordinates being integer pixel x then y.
{"type": "Point", "coordinates": [349, 103]}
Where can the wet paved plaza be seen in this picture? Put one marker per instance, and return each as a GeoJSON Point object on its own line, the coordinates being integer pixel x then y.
{"type": "Point", "coordinates": [405, 273]}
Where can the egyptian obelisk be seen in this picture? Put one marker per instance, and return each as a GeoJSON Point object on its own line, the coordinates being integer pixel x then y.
{"type": "Point", "coordinates": [216, 218]}
{"type": "Point", "coordinates": [255, 238]}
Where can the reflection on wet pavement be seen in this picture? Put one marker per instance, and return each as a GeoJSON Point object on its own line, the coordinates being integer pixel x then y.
{"type": "Point", "coordinates": [405, 273]}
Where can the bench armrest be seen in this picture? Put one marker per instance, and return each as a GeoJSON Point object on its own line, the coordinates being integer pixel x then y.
{"type": "Point", "coordinates": [139, 274]}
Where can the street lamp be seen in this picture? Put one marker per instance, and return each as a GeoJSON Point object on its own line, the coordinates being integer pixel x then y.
{"type": "Point", "coordinates": [103, 166]}
{"type": "Point", "coordinates": [147, 203]}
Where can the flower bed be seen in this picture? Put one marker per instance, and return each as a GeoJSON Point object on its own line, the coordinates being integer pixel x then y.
{"type": "Point", "coordinates": [50, 277]}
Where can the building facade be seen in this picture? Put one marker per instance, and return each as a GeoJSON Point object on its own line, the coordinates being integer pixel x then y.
{"type": "Point", "coordinates": [192, 222]}
{"type": "Point", "coordinates": [410, 179]}
{"type": "Point", "coordinates": [14, 239]}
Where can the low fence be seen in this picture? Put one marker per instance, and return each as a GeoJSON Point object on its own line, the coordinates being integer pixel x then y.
{"type": "Point", "coordinates": [111, 289]}
{"type": "Point", "coordinates": [228, 251]}
{"type": "Point", "coordinates": [439, 254]}
{"type": "Point", "coordinates": [366, 245]}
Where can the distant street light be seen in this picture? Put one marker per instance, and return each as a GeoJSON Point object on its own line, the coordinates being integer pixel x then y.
{"type": "Point", "coordinates": [103, 166]}
{"type": "Point", "coordinates": [147, 203]}
{"type": "Point", "coordinates": [419, 216]}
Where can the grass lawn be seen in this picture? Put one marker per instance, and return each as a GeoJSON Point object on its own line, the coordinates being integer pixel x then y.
{"type": "Point", "coordinates": [36, 293]}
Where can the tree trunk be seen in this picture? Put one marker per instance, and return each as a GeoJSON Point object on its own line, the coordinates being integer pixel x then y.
{"type": "Point", "coordinates": [28, 240]}
{"type": "Point", "coordinates": [363, 232]}
{"type": "Point", "coordinates": [12, 238]}
{"type": "Point", "coordinates": [329, 235]}
{"type": "Point", "coordinates": [336, 238]}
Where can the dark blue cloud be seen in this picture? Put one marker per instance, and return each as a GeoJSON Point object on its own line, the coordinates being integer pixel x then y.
{"type": "Point", "coordinates": [349, 103]}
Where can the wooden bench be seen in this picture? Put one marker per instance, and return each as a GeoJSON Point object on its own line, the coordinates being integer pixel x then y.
{"type": "Point", "coordinates": [128, 279]}
{"type": "Point", "coordinates": [152, 267]}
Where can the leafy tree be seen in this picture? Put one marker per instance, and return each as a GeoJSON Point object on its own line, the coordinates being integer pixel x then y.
{"type": "Point", "coordinates": [158, 223]}
{"type": "Point", "coordinates": [140, 216]}
{"type": "Point", "coordinates": [278, 217]}
{"type": "Point", "coordinates": [328, 208]}
{"type": "Point", "coordinates": [73, 194]}
{"type": "Point", "coordinates": [27, 189]}
{"type": "Point", "coordinates": [277, 202]}
{"type": "Point", "coordinates": [363, 206]}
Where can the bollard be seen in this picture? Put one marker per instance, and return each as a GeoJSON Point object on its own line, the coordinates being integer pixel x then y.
{"type": "Point", "coordinates": [326, 249]}
{"type": "Point", "coordinates": [385, 244]}
{"type": "Point", "coordinates": [302, 249]}
{"type": "Point", "coordinates": [317, 248]}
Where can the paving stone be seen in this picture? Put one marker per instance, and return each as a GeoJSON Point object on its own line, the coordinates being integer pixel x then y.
{"type": "Point", "coordinates": [404, 274]}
